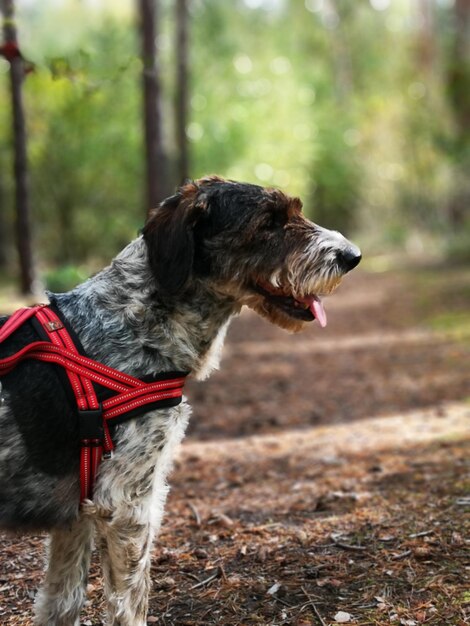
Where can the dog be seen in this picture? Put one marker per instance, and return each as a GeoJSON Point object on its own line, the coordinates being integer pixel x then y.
{"type": "Point", "coordinates": [163, 304]}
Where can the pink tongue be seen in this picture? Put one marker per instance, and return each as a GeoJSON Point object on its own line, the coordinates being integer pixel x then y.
{"type": "Point", "coordinates": [316, 307]}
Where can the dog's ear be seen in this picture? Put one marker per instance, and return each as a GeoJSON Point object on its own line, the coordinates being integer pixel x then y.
{"type": "Point", "coordinates": [169, 235]}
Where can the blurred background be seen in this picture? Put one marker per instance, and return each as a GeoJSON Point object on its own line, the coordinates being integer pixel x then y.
{"type": "Point", "coordinates": [360, 108]}
{"type": "Point", "coordinates": [327, 467]}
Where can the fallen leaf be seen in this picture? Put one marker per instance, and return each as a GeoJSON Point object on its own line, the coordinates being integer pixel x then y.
{"type": "Point", "coordinates": [342, 617]}
{"type": "Point", "coordinates": [274, 589]}
{"type": "Point", "coordinates": [422, 551]}
{"type": "Point", "coordinates": [165, 583]}
{"type": "Point", "coordinates": [262, 555]}
{"type": "Point", "coordinates": [199, 553]}
{"type": "Point", "coordinates": [457, 539]}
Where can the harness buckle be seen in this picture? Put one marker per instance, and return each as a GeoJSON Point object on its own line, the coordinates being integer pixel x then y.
{"type": "Point", "coordinates": [90, 424]}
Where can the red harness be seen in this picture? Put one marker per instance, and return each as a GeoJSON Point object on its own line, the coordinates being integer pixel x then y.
{"type": "Point", "coordinates": [95, 418]}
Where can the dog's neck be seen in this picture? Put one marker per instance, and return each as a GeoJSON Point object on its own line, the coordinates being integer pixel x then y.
{"type": "Point", "coordinates": [123, 322]}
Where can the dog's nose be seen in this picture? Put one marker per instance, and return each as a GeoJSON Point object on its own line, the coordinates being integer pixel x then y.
{"type": "Point", "coordinates": [349, 257]}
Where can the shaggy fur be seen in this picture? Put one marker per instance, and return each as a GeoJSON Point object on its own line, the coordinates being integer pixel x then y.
{"type": "Point", "coordinates": [163, 304]}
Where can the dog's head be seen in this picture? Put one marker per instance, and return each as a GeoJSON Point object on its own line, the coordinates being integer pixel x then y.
{"type": "Point", "coordinates": [251, 244]}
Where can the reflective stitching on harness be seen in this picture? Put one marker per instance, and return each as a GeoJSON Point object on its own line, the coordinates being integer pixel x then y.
{"type": "Point", "coordinates": [133, 405]}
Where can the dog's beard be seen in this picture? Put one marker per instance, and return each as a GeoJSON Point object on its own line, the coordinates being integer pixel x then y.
{"type": "Point", "coordinates": [274, 315]}
{"type": "Point", "coordinates": [281, 299]}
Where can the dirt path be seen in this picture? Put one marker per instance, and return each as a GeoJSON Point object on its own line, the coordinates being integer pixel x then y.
{"type": "Point", "coordinates": [323, 472]}
{"type": "Point", "coordinates": [380, 354]}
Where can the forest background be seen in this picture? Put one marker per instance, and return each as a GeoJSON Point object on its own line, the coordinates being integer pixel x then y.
{"type": "Point", "coordinates": [361, 108]}
{"type": "Point", "coordinates": [324, 478]}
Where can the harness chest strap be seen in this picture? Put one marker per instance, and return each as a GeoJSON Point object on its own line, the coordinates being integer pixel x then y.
{"type": "Point", "coordinates": [95, 417]}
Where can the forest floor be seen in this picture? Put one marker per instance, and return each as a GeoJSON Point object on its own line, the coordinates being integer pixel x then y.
{"type": "Point", "coordinates": [324, 478]}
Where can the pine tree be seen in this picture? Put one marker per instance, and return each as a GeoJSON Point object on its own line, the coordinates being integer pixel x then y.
{"type": "Point", "coordinates": [12, 53]}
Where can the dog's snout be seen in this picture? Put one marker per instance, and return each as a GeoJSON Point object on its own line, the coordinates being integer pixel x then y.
{"type": "Point", "coordinates": [349, 257]}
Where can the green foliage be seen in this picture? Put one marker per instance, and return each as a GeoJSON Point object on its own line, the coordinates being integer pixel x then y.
{"type": "Point", "coordinates": [85, 170]}
{"type": "Point", "coordinates": [64, 278]}
{"type": "Point", "coordinates": [332, 104]}
{"type": "Point", "coordinates": [336, 205]}
{"type": "Point", "coordinates": [458, 245]}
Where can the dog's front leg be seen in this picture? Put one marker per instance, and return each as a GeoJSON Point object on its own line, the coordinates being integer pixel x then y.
{"type": "Point", "coordinates": [62, 595]}
{"type": "Point", "coordinates": [129, 498]}
{"type": "Point", "coordinates": [125, 538]}
{"type": "Point", "coordinates": [125, 542]}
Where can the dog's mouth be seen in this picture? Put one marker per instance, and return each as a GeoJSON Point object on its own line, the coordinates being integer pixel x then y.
{"type": "Point", "coordinates": [306, 308]}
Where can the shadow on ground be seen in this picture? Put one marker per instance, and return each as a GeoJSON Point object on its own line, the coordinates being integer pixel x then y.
{"type": "Point", "coordinates": [379, 355]}
{"type": "Point", "coordinates": [324, 472]}
{"type": "Point", "coordinates": [375, 533]}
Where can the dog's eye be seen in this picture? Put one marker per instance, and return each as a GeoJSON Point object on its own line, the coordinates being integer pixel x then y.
{"type": "Point", "coordinates": [276, 219]}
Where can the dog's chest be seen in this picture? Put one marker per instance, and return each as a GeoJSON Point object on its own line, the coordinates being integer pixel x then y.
{"type": "Point", "coordinates": [145, 449]}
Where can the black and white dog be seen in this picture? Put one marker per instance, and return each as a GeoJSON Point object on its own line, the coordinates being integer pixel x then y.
{"type": "Point", "coordinates": [162, 305]}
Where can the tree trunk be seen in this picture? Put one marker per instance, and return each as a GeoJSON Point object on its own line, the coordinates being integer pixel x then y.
{"type": "Point", "coordinates": [3, 250]}
{"type": "Point", "coordinates": [181, 96]}
{"type": "Point", "coordinates": [427, 50]}
{"type": "Point", "coordinates": [155, 155]}
{"type": "Point", "coordinates": [341, 55]}
{"type": "Point", "coordinates": [459, 71]}
{"type": "Point", "coordinates": [458, 81]}
{"type": "Point", "coordinates": [3, 233]}
{"type": "Point", "coordinates": [23, 228]}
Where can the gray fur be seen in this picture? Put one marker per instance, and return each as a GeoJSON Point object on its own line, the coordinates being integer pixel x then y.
{"type": "Point", "coordinates": [128, 318]}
